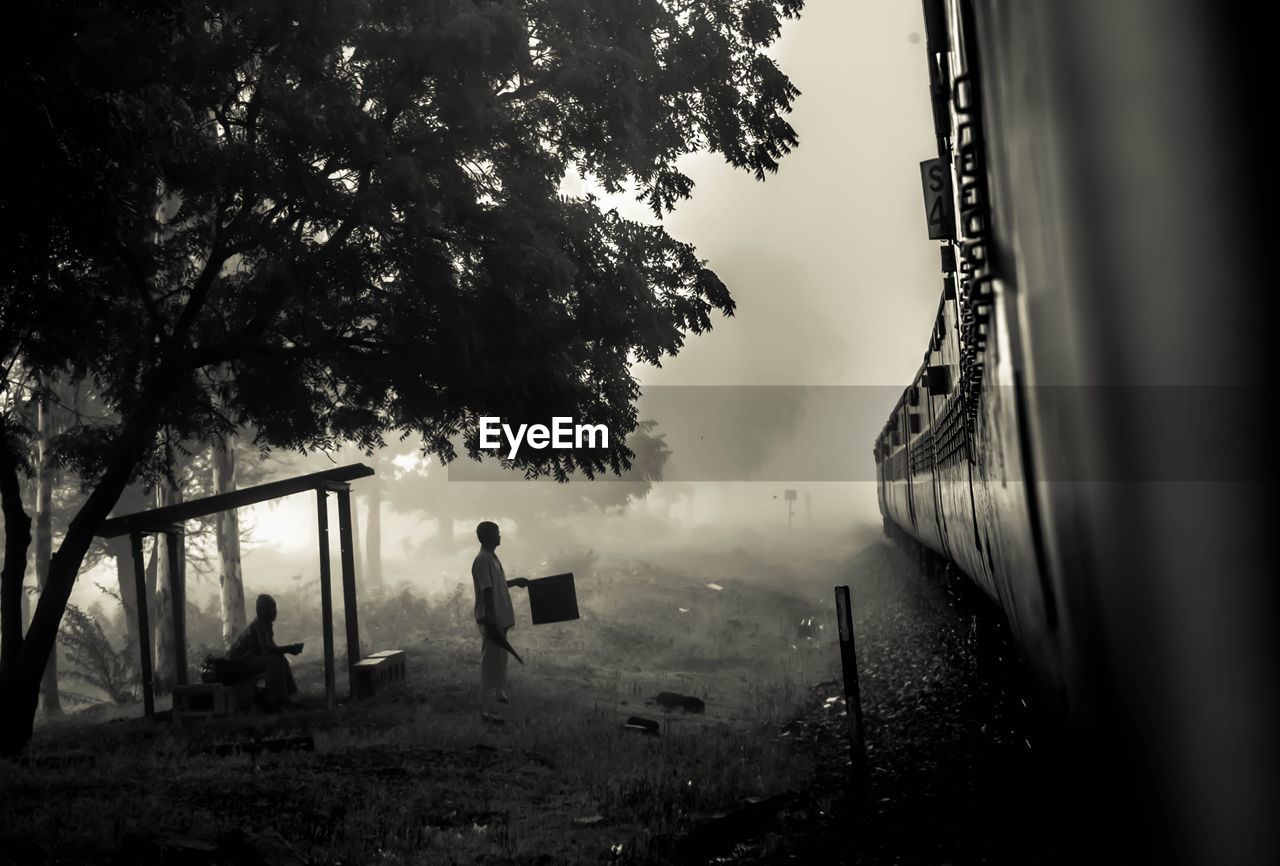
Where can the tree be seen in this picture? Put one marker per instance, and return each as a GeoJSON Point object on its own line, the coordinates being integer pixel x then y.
{"type": "Point", "coordinates": [355, 213]}
{"type": "Point", "coordinates": [230, 576]}
{"type": "Point", "coordinates": [168, 492]}
{"type": "Point", "coordinates": [44, 535]}
{"type": "Point", "coordinates": [47, 409]}
{"type": "Point", "coordinates": [17, 538]}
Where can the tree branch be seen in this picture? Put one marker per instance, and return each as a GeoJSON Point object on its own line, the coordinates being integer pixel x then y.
{"type": "Point", "coordinates": [139, 284]}
{"type": "Point", "coordinates": [236, 349]}
{"type": "Point", "coordinates": [531, 87]}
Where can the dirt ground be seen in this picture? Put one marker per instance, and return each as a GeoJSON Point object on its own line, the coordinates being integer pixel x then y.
{"type": "Point", "coordinates": [415, 775]}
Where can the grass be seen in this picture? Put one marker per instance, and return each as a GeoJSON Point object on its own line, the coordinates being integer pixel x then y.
{"type": "Point", "coordinates": [416, 777]}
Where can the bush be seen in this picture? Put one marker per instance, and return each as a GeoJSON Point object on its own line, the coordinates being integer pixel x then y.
{"type": "Point", "coordinates": [394, 619]}
{"type": "Point", "coordinates": [95, 661]}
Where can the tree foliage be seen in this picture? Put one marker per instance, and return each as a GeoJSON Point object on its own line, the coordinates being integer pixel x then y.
{"type": "Point", "coordinates": [356, 205]}
{"type": "Point", "coordinates": [327, 221]}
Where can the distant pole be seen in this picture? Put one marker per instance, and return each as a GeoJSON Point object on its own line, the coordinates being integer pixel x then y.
{"type": "Point", "coordinates": [326, 600]}
{"type": "Point", "coordinates": [852, 699]}
{"type": "Point", "coordinates": [349, 604]}
{"type": "Point", "coordinates": [144, 625]}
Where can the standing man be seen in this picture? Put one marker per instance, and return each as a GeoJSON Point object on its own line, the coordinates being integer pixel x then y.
{"type": "Point", "coordinates": [493, 611]}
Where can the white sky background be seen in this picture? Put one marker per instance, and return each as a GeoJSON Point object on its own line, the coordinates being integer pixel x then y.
{"type": "Point", "coordinates": [829, 262]}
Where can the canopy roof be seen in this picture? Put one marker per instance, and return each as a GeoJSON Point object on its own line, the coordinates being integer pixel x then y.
{"type": "Point", "coordinates": [162, 519]}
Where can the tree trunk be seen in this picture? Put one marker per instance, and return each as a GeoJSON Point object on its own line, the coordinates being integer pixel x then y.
{"type": "Point", "coordinates": [20, 683]}
{"type": "Point", "coordinates": [149, 578]}
{"type": "Point", "coordinates": [166, 672]}
{"type": "Point", "coordinates": [356, 552]}
{"type": "Point", "coordinates": [26, 600]}
{"type": "Point", "coordinates": [132, 500]}
{"type": "Point", "coordinates": [230, 577]}
{"type": "Point", "coordinates": [373, 538]}
{"type": "Point", "coordinates": [17, 540]}
{"type": "Point", "coordinates": [125, 585]}
{"type": "Point", "coordinates": [44, 544]}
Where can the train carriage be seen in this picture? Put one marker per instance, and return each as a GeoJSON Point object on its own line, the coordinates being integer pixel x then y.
{"type": "Point", "coordinates": [1072, 440]}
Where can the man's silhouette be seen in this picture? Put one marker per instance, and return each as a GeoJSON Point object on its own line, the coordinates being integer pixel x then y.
{"type": "Point", "coordinates": [494, 613]}
{"type": "Point", "coordinates": [255, 652]}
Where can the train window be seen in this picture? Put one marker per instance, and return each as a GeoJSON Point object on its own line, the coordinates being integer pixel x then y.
{"type": "Point", "coordinates": [962, 94]}
{"type": "Point", "coordinates": [913, 396]}
{"type": "Point", "coordinates": [914, 419]}
{"type": "Point", "coordinates": [937, 379]}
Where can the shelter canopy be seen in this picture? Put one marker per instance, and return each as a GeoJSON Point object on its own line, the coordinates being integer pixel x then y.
{"type": "Point", "coordinates": [162, 519]}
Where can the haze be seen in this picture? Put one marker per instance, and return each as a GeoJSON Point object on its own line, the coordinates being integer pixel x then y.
{"type": "Point", "coordinates": [835, 282]}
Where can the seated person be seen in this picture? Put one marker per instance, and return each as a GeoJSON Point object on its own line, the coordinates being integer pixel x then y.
{"type": "Point", "coordinates": [255, 653]}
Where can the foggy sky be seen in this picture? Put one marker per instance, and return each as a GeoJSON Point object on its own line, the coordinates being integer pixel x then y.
{"type": "Point", "coordinates": [829, 260]}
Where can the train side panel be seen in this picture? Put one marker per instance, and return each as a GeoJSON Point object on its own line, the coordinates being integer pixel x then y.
{"type": "Point", "coordinates": [1084, 140]}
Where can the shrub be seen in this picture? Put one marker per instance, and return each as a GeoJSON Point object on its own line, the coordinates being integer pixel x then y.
{"type": "Point", "coordinates": [95, 661]}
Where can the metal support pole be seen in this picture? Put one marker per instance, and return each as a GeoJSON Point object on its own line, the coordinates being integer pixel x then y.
{"type": "Point", "coordinates": [326, 600]}
{"type": "Point", "coordinates": [173, 539]}
{"type": "Point", "coordinates": [347, 547]}
{"type": "Point", "coordinates": [144, 624]}
{"type": "Point", "coordinates": [852, 699]}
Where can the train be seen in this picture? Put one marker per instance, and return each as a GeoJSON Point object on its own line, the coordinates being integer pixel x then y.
{"type": "Point", "coordinates": [1086, 437]}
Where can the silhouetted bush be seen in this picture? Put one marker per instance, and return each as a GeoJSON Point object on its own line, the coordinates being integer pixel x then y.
{"type": "Point", "coordinates": [95, 661]}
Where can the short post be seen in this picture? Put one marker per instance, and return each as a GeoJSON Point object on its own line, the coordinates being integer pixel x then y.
{"type": "Point", "coordinates": [852, 699]}
{"type": "Point", "coordinates": [326, 599]}
{"type": "Point", "coordinates": [144, 624]}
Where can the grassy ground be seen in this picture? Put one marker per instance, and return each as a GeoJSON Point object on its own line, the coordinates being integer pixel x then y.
{"type": "Point", "coordinates": [416, 777]}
